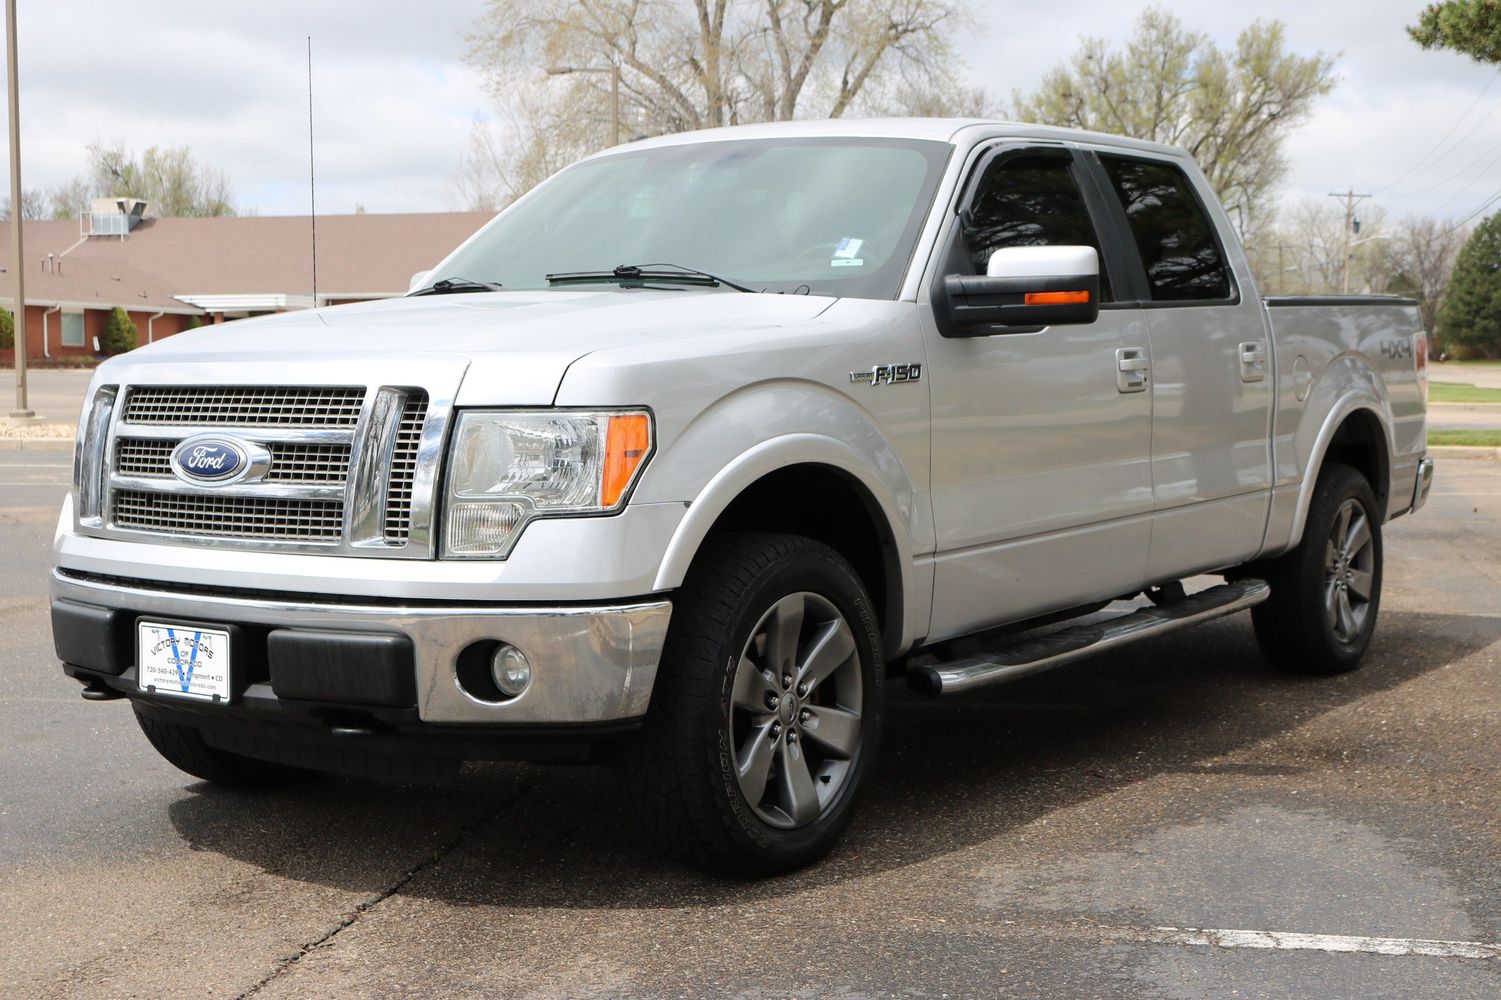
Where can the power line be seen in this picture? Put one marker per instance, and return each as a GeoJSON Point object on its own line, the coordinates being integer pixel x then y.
{"type": "Point", "coordinates": [1488, 203]}
{"type": "Point", "coordinates": [1438, 145]}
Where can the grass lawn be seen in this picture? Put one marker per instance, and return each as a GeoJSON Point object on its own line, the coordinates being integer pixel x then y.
{"type": "Point", "coordinates": [1454, 392]}
{"type": "Point", "coordinates": [1478, 439]}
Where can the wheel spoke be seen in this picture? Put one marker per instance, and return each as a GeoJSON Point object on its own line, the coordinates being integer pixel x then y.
{"type": "Point", "coordinates": [782, 630]}
{"type": "Point", "coordinates": [1359, 536]}
{"type": "Point", "coordinates": [1346, 616]}
{"type": "Point", "coordinates": [754, 762]}
{"type": "Point", "coordinates": [1341, 527]}
{"type": "Point", "coordinates": [1360, 583]}
{"type": "Point", "coordinates": [1331, 603]}
{"type": "Point", "coordinates": [829, 651]}
{"type": "Point", "coordinates": [799, 792]}
{"type": "Point", "coordinates": [752, 685]}
{"type": "Point", "coordinates": [834, 729]}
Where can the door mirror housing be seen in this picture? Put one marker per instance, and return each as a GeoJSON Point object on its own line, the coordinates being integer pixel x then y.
{"type": "Point", "coordinates": [419, 280]}
{"type": "Point", "coordinates": [1022, 290]}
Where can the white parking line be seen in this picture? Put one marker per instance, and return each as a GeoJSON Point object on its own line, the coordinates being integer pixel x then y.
{"type": "Point", "coordinates": [1285, 941]}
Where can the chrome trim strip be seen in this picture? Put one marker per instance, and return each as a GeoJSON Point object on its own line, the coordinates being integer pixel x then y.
{"type": "Point", "coordinates": [590, 664]}
{"type": "Point", "coordinates": [89, 462]}
{"type": "Point", "coordinates": [369, 468]}
{"type": "Point", "coordinates": [257, 434]}
{"type": "Point", "coordinates": [252, 491]}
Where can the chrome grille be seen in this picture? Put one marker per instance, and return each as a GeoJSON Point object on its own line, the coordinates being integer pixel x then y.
{"type": "Point", "coordinates": [144, 457]}
{"type": "Point", "coordinates": [403, 474]}
{"type": "Point", "coordinates": [346, 471]}
{"type": "Point", "coordinates": [326, 464]}
{"type": "Point", "coordinates": [230, 516]}
{"type": "Point", "coordinates": [246, 405]}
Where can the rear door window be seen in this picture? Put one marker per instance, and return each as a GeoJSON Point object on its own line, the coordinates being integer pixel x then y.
{"type": "Point", "coordinates": [1176, 240]}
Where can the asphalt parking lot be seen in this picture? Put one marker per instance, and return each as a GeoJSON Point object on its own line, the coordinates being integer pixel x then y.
{"type": "Point", "coordinates": [1171, 821]}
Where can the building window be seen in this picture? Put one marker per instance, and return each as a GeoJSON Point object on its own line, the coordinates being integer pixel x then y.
{"type": "Point", "coordinates": [72, 329]}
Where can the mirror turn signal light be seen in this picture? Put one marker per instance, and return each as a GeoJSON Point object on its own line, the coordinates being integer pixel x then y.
{"type": "Point", "coordinates": [1056, 298]}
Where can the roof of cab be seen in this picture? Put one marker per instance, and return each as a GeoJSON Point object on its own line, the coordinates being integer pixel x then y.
{"type": "Point", "coordinates": [950, 130]}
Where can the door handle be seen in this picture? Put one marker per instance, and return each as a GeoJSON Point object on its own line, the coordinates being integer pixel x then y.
{"type": "Point", "coordinates": [1132, 369]}
{"type": "Point", "coordinates": [1252, 361]}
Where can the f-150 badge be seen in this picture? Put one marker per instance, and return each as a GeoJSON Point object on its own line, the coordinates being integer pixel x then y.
{"type": "Point", "coordinates": [889, 374]}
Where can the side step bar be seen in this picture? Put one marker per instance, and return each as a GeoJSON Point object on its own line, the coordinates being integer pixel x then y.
{"type": "Point", "coordinates": [1067, 645]}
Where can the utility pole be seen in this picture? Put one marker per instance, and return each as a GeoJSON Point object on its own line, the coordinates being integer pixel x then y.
{"type": "Point", "coordinates": [17, 261]}
{"type": "Point", "coordinates": [1351, 199]}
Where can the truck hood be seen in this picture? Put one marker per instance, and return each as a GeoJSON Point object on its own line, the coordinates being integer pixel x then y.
{"type": "Point", "coordinates": [516, 346]}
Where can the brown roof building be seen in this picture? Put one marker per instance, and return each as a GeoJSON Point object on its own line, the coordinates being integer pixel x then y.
{"type": "Point", "coordinates": [174, 274]}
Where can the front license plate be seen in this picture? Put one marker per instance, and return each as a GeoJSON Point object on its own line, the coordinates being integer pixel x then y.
{"type": "Point", "coordinates": [184, 661]}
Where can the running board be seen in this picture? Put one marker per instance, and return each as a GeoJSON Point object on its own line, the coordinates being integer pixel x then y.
{"type": "Point", "coordinates": [1055, 649]}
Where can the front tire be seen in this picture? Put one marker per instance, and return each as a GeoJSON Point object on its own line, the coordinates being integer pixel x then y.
{"type": "Point", "coordinates": [766, 715]}
{"type": "Point", "coordinates": [1327, 591]}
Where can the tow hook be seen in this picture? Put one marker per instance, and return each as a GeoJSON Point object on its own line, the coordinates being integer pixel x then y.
{"type": "Point", "coordinates": [96, 690]}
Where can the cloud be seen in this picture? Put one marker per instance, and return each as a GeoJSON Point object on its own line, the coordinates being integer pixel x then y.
{"type": "Point", "coordinates": [395, 101]}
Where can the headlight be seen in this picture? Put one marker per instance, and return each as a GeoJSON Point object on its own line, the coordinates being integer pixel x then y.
{"type": "Point", "coordinates": [507, 467]}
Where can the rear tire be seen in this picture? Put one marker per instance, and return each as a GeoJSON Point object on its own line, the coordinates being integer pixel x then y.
{"type": "Point", "coordinates": [766, 713]}
{"type": "Point", "coordinates": [1327, 591]}
{"type": "Point", "coordinates": [184, 748]}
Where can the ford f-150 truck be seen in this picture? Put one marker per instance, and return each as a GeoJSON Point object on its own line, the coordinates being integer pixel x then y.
{"type": "Point", "coordinates": [674, 463]}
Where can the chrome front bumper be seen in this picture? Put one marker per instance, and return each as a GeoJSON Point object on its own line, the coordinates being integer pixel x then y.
{"type": "Point", "coordinates": [1422, 484]}
{"type": "Point", "coordinates": [590, 664]}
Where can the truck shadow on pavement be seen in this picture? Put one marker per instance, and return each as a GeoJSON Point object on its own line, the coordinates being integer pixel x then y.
{"type": "Point", "coordinates": [954, 773]}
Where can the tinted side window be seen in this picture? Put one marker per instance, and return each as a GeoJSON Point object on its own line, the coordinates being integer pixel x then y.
{"type": "Point", "coordinates": [1176, 240]}
{"type": "Point", "coordinates": [1029, 201]}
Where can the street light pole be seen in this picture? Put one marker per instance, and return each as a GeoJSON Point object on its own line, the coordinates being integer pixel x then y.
{"type": "Point", "coordinates": [17, 261]}
{"type": "Point", "coordinates": [614, 70]}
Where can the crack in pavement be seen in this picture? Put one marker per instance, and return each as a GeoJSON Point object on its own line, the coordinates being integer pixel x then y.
{"type": "Point", "coordinates": [289, 963]}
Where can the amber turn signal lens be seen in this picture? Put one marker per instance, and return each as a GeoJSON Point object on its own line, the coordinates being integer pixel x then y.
{"type": "Point", "coordinates": [626, 445]}
{"type": "Point", "coordinates": [1055, 298]}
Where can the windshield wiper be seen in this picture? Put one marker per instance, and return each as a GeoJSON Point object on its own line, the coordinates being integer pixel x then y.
{"type": "Point", "coordinates": [674, 273]}
{"type": "Point", "coordinates": [448, 286]}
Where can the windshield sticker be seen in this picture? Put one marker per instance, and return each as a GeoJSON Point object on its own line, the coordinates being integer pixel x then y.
{"type": "Point", "coordinates": [846, 248]}
{"type": "Point", "coordinates": [847, 263]}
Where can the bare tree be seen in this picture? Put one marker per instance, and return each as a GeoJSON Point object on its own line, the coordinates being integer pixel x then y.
{"type": "Point", "coordinates": [1230, 109]}
{"type": "Point", "coordinates": [1306, 254]}
{"type": "Point", "coordinates": [688, 64]}
{"type": "Point", "coordinates": [1423, 253]}
{"type": "Point", "coordinates": [33, 206]}
{"type": "Point", "coordinates": [169, 178]}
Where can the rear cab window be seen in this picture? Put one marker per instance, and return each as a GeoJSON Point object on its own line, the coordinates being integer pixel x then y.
{"type": "Point", "coordinates": [1176, 239]}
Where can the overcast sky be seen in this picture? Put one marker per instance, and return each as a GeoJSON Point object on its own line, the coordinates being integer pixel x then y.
{"type": "Point", "coordinates": [395, 101]}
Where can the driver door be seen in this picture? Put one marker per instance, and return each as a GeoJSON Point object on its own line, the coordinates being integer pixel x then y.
{"type": "Point", "coordinates": [1041, 438]}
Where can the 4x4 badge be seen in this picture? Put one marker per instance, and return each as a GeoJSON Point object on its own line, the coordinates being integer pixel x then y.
{"type": "Point", "coordinates": [889, 374]}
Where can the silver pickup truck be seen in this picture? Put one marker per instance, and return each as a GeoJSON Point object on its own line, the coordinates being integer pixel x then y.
{"type": "Point", "coordinates": [676, 461]}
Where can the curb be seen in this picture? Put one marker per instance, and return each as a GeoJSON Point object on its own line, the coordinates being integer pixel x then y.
{"type": "Point", "coordinates": [1463, 451]}
{"type": "Point", "coordinates": [34, 443]}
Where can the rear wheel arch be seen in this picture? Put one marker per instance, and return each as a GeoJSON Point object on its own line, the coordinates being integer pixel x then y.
{"type": "Point", "coordinates": [1354, 435]}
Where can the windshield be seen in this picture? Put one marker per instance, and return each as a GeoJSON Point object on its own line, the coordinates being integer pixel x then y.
{"type": "Point", "coordinates": [826, 216]}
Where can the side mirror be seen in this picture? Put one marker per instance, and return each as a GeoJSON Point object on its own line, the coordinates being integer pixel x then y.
{"type": "Point", "coordinates": [1023, 287]}
{"type": "Point", "coordinates": [419, 280]}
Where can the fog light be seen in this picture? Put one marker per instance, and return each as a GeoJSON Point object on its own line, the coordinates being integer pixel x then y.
{"type": "Point", "coordinates": [510, 670]}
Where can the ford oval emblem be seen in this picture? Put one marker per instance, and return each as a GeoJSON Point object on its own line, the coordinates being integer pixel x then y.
{"type": "Point", "coordinates": [208, 460]}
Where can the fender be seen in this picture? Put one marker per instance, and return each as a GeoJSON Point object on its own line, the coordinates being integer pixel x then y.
{"type": "Point", "coordinates": [778, 453]}
{"type": "Point", "coordinates": [1347, 404]}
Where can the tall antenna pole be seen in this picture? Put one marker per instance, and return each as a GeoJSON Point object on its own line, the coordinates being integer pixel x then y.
{"type": "Point", "coordinates": [311, 182]}
{"type": "Point", "coordinates": [16, 259]}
